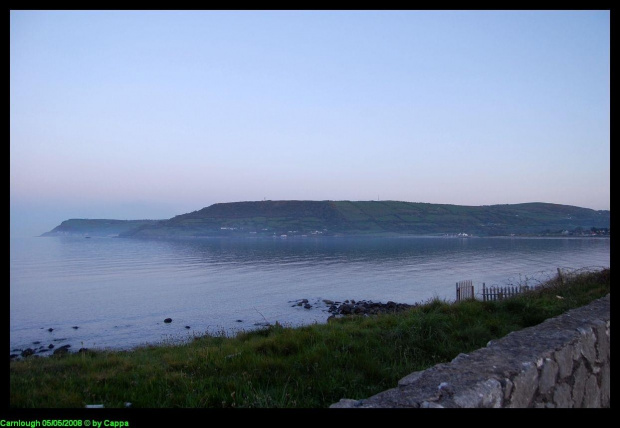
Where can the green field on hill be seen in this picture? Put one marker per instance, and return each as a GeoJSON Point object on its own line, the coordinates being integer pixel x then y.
{"type": "Point", "coordinates": [355, 218]}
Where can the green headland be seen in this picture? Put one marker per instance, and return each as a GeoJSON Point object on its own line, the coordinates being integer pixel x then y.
{"type": "Point", "coordinates": [355, 218]}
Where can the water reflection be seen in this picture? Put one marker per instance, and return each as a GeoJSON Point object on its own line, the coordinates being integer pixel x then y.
{"type": "Point", "coordinates": [120, 290]}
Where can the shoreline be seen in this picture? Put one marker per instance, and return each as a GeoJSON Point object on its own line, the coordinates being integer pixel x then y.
{"type": "Point", "coordinates": [321, 237]}
{"type": "Point", "coordinates": [334, 309]}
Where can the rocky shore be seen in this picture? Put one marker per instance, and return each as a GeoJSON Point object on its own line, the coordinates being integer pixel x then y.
{"type": "Point", "coordinates": [335, 309]}
{"type": "Point", "coordinates": [51, 348]}
{"type": "Point", "coordinates": [355, 307]}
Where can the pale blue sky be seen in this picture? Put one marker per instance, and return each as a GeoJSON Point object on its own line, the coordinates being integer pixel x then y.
{"type": "Point", "coordinates": [150, 114]}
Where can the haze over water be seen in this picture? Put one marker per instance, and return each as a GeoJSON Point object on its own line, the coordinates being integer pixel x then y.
{"type": "Point", "coordinates": [119, 291]}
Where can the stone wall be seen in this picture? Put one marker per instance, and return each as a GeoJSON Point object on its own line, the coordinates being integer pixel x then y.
{"type": "Point", "coordinates": [563, 362]}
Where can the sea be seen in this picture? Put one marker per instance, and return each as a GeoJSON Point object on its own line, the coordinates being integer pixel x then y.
{"type": "Point", "coordinates": [116, 293]}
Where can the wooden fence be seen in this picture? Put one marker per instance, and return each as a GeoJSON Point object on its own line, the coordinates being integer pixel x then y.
{"type": "Point", "coordinates": [464, 290]}
{"type": "Point", "coordinates": [498, 293]}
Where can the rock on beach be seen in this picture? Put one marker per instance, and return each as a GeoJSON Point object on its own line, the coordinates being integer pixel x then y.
{"type": "Point", "coordinates": [366, 307]}
{"type": "Point", "coordinates": [356, 307]}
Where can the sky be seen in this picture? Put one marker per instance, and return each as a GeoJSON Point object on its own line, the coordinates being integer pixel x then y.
{"type": "Point", "coordinates": [152, 114]}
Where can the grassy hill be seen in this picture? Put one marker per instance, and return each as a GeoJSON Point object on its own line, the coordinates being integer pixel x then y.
{"type": "Point", "coordinates": [96, 227]}
{"type": "Point", "coordinates": [340, 218]}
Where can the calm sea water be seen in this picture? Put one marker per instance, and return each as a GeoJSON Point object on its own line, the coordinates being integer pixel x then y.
{"type": "Point", "coordinates": [119, 291]}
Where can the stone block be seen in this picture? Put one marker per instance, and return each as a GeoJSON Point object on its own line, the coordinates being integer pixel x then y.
{"type": "Point", "coordinates": [564, 358]}
{"type": "Point", "coordinates": [562, 396]}
{"type": "Point", "coordinates": [525, 385]}
{"type": "Point", "coordinates": [548, 375]}
{"type": "Point", "coordinates": [602, 341]}
{"type": "Point", "coordinates": [487, 394]}
{"type": "Point", "coordinates": [577, 348]}
{"type": "Point", "coordinates": [508, 386]}
{"type": "Point", "coordinates": [592, 393]}
{"type": "Point", "coordinates": [605, 386]}
{"type": "Point", "coordinates": [579, 385]}
{"type": "Point", "coordinates": [588, 344]}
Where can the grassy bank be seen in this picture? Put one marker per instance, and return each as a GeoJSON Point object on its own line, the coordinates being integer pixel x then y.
{"type": "Point", "coordinates": [308, 367]}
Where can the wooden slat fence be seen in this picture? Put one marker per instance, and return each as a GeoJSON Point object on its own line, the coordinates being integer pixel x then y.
{"type": "Point", "coordinates": [464, 290]}
{"type": "Point", "coordinates": [498, 293]}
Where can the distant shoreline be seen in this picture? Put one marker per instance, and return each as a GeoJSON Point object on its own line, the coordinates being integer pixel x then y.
{"type": "Point", "coordinates": [313, 219]}
{"type": "Point", "coordinates": [335, 236]}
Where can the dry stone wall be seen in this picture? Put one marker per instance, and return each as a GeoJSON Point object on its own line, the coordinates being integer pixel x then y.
{"type": "Point", "coordinates": [563, 362]}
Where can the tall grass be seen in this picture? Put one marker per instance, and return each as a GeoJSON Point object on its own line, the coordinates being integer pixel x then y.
{"type": "Point", "coordinates": [282, 367]}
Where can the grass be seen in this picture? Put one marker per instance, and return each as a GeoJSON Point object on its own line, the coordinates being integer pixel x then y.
{"type": "Point", "coordinates": [281, 367]}
{"type": "Point", "coordinates": [370, 217]}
